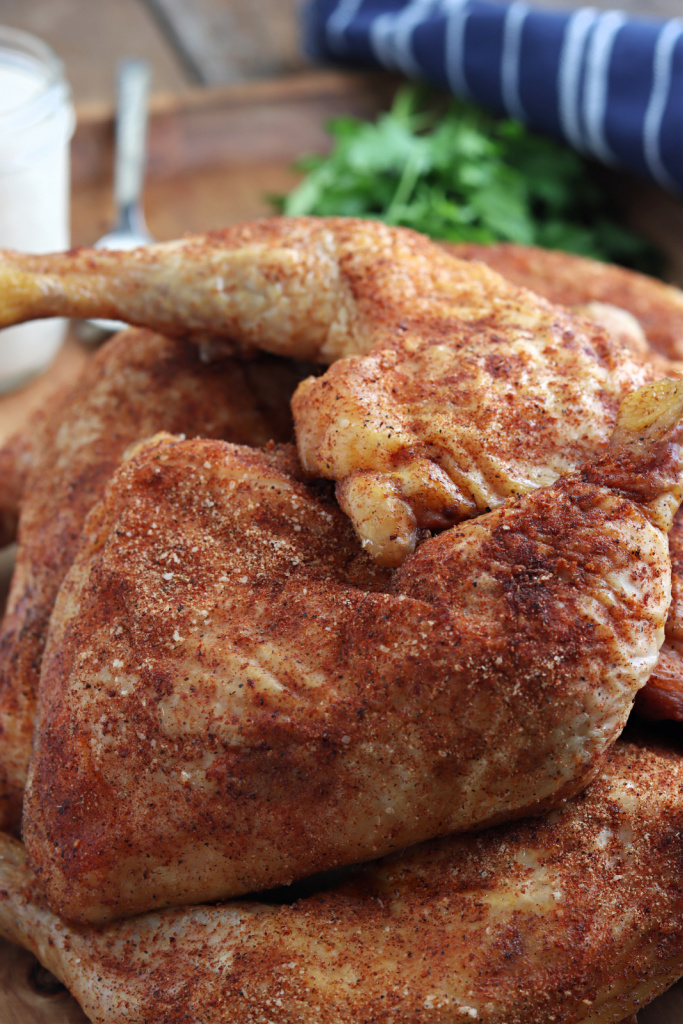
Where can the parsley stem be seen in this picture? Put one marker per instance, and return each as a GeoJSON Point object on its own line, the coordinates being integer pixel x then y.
{"type": "Point", "coordinates": [406, 186]}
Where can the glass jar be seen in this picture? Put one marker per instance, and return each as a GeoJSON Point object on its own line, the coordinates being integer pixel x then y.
{"type": "Point", "coordinates": [36, 124]}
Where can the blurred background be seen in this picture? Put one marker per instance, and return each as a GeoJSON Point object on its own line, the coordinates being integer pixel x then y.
{"type": "Point", "coordinates": [191, 43]}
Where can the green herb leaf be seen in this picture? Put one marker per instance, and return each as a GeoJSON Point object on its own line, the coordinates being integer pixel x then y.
{"type": "Point", "coordinates": [454, 172]}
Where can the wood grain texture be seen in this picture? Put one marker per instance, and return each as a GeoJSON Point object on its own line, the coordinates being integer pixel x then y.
{"type": "Point", "coordinates": [91, 36]}
{"type": "Point", "coordinates": [216, 155]}
{"type": "Point", "coordinates": [213, 151]}
{"type": "Point", "coordinates": [234, 125]}
{"type": "Point", "coordinates": [230, 42]}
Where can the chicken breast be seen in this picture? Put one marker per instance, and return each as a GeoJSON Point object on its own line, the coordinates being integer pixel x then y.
{"type": "Point", "coordinates": [451, 388]}
{"type": "Point", "coordinates": [572, 917]}
{"type": "Point", "coordinates": [137, 384]}
{"type": "Point", "coordinates": [223, 649]}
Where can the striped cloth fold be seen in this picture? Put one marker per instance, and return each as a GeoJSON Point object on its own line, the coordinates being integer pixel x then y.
{"type": "Point", "coordinates": [610, 84]}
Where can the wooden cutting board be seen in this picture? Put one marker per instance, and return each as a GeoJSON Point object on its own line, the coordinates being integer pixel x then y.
{"type": "Point", "coordinates": [214, 158]}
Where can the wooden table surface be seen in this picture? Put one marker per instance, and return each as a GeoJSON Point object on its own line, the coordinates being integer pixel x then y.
{"type": "Point", "coordinates": [188, 42]}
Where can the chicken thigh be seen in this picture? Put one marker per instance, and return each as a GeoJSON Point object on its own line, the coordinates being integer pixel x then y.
{"type": "Point", "coordinates": [575, 281]}
{"type": "Point", "coordinates": [575, 917]}
{"type": "Point", "coordinates": [612, 295]}
{"type": "Point", "coordinates": [234, 695]}
{"type": "Point", "coordinates": [137, 384]}
{"type": "Point", "coordinates": [452, 389]}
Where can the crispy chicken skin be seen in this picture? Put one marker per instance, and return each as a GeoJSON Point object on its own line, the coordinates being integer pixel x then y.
{"type": "Point", "coordinates": [439, 432]}
{"type": "Point", "coordinates": [137, 384]}
{"type": "Point", "coordinates": [603, 293]}
{"type": "Point", "coordinates": [223, 645]}
{"type": "Point", "coordinates": [662, 698]}
{"type": "Point", "coordinates": [452, 389]}
{"type": "Point", "coordinates": [574, 917]}
{"type": "Point", "coordinates": [574, 281]}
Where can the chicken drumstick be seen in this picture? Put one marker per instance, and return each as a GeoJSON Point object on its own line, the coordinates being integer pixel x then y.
{"type": "Point", "coordinates": [452, 389]}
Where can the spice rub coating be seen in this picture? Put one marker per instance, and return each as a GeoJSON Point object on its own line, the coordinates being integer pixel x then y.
{"type": "Point", "coordinates": [452, 388]}
{"type": "Point", "coordinates": [225, 649]}
{"type": "Point", "coordinates": [573, 280]}
{"type": "Point", "coordinates": [135, 385]}
{"type": "Point", "coordinates": [658, 308]}
{"type": "Point", "coordinates": [572, 917]}
{"type": "Point", "coordinates": [662, 698]}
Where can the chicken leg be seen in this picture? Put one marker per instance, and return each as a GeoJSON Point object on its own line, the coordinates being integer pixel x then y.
{"type": "Point", "coordinates": [452, 389]}
{"type": "Point", "coordinates": [224, 650]}
{"type": "Point", "coordinates": [137, 384]}
{"type": "Point", "coordinates": [575, 917]}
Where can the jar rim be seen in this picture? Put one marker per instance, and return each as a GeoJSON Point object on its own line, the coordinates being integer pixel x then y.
{"type": "Point", "coordinates": [25, 51]}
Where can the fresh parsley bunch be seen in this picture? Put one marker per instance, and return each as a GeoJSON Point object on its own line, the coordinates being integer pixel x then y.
{"type": "Point", "coordinates": [457, 173]}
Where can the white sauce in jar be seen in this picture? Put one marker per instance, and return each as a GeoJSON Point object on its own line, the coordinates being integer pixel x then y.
{"type": "Point", "coordinates": [36, 123]}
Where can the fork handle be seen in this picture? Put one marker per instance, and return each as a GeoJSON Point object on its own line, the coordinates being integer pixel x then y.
{"type": "Point", "coordinates": [131, 134]}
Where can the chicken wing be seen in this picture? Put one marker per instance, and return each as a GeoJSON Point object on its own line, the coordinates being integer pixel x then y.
{"type": "Point", "coordinates": [575, 917]}
{"type": "Point", "coordinates": [574, 281]}
{"type": "Point", "coordinates": [137, 384]}
{"type": "Point", "coordinates": [223, 648]}
{"type": "Point", "coordinates": [452, 389]}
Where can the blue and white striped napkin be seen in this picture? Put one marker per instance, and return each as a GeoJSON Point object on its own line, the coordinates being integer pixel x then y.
{"type": "Point", "coordinates": [610, 84]}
